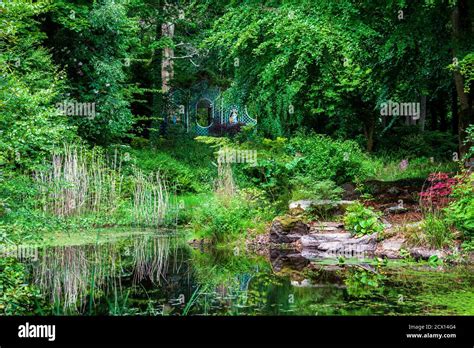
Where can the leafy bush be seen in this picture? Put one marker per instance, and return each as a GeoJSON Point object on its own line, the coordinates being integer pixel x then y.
{"type": "Point", "coordinates": [226, 220]}
{"type": "Point", "coordinates": [460, 212]}
{"type": "Point", "coordinates": [437, 194]}
{"type": "Point", "coordinates": [320, 158]}
{"type": "Point", "coordinates": [306, 188]}
{"type": "Point", "coordinates": [140, 143]}
{"type": "Point", "coordinates": [17, 297]}
{"type": "Point", "coordinates": [360, 220]}
{"type": "Point", "coordinates": [271, 173]}
{"type": "Point", "coordinates": [186, 177]}
{"type": "Point", "coordinates": [470, 141]}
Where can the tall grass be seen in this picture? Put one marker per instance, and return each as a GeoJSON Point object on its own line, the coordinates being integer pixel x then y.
{"type": "Point", "coordinates": [386, 169]}
{"type": "Point", "coordinates": [78, 181]}
{"type": "Point", "coordinates": [151, 200]}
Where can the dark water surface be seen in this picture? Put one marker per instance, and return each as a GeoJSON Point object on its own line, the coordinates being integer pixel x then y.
{"type": "Point", "coordinates": [152, 274]}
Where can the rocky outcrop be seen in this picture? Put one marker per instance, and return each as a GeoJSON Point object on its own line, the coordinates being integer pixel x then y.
{"type": "Point", "coordinates": [335, 244]}
{"type": "Point", "coordinates": [315, 240]}
{"type": "Point", "coordinates": [287, 229]}
{"type": "Point", "coordinates": [396, 210]}
{"type": "Point", "coordinates": [424, 253]}
{"type": "Point", "coordinates": [390, 248]}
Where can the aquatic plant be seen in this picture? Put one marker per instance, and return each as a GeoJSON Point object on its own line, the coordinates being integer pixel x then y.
{"type": "Point", "coordinates": [77, 181]}
{"type": "Point", "coordinates": [151, 200]}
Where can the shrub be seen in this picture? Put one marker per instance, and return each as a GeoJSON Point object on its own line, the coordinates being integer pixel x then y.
{"type": "Point", "coordinates": [321, 158]}
{"type": "Point", "coordinates": [409, 142]}
{"type": "Point", "coordinates": [272, 172]}
{"type": "Point", "coordinates": [306, 188]}
{"type": "Point", "coordinates": [359, 220]}
{"type": "Point", "coordinates": [140, 143]}
{"type": "Point", "coordinates": [225, 220]}
{"type": "Point", "coordinates": [438, 192]}
{"type": "Point", "coordinates": [186, 177]}
{"type": "Point", "coordinates": [220, 222]}
{"type": "Point", "coordinates": [460, 212]}
{"type": "Point", "coordinates": [17, 297]}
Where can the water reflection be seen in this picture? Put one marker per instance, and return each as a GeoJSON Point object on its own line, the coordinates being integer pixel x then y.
{"type": "Point", "coordinates": [76, 276]}
{"type": "Point", "coordinates": [150, 274]}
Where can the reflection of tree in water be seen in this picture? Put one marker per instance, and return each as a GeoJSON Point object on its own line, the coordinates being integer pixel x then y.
{"type": "Point", "coordinates": [74, 276]}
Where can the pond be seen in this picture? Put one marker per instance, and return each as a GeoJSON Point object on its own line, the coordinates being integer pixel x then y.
{"type": "Point", "coordinates": [160, 274]}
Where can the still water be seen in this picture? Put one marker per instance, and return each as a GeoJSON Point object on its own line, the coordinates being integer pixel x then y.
{"type": "Point", "coordinates": [156, 274]}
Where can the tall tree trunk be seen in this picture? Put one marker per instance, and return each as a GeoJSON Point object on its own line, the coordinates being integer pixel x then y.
{"type": "Point", "coordinates": [422, 115]}
{"type": "Point", "coordinates": [167, 68]}
{"type": "Point", "coordinates": [369, 130]}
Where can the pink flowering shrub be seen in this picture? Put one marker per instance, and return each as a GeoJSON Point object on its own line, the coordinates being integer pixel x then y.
{"type": "Point", "coordinates": [437, 194]}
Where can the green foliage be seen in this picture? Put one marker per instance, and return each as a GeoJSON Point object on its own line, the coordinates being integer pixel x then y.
{"type": "Point", "coordinates": [359, 220]}
{"type": "Point", "coordinates": [30, 126]}
{"type": "Point", "coordinates": [225, 220]}
{"type": "Point", "coordinates": [460, 211]}
{"type": "Point", "coordinates": [95, 40]}
{"type": "Point", "coordinates": [321, 158]}
{"type": "Point", "coordinates": [222, 223]}
{"type": "Point", "coordinates": [470, 140]}
{"type": "Point", "coordinates": [466, 68]}
{"type": "Point", "coordinates": [17, 297]}
{"type": "Point", "coordinates": [191, 174]}
{"type": "Point", "coordinates": [385, 168]}
{"type": "Point", "coordinates": [408, 142]}
{"type": "Point", "coordinates": [307, 188]}
{"type": "Point", "coordinates": [437, 231]}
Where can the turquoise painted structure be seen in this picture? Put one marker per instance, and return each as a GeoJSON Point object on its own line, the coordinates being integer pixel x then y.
{"type": "Point", "coordinates": [189, 106]}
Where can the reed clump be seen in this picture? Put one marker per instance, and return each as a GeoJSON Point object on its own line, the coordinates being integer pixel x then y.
{"type": "Point", "coordinates": [79, 181]}
{"type": "Point", "coordinates": [151, 200]}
